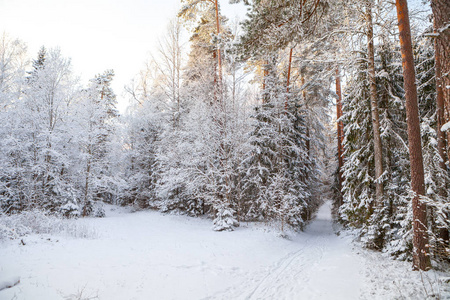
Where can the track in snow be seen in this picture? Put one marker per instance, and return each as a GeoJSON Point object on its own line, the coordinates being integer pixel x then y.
{"type": "Point", "coordinates": [323, 267]}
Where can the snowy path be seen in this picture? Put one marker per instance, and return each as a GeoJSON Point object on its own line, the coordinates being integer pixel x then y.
{"type": "Point", "coordinates": [147, 255]}
{"type": "Point", "coordinates": [323, 267]}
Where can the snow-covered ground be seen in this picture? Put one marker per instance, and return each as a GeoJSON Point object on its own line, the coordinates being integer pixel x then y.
{"type": "Point", "coordinates": [148, 255]}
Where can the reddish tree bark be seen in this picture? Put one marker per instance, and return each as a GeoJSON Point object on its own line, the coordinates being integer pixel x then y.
{"type": "Point", "coordinates": [442, 143]}
{"type": "Point", "coordinates": [421, 258]}
{"type": "Point", "coordinates": [340, 132]}
{"type": "Point", "coordinates": [288, 79]}
{"type": "Point", "coordinates": [440, 106]}
{"type": "Point", "coordinates": [441, 14]}
{"type": "Point", "coordinates": [219, 55]}
{"type": "Point", "coordinates": [308, 132]}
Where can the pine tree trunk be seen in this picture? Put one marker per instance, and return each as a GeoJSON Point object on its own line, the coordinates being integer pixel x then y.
{"type": "Point", "coordinates": [216, 83]}
{"type": "Point", "coordinates": [378, 154]}
{"type": "Point", "coordinates": [219, 55]}
{"type": "Point", "coordinates": [340, 133]}
{"type": "Point", "coordinates": [421, 258]}
{"type": "Point", "coordinates": [288, 79]}
{"type": "Point", "coordinates": [308, 134]}
{"type": "Point", "coordinates": [265, 98]}
{"type": "Point", "coordinates": [442, 143]}
{"type": "Point", "coordinates": [441, 13]}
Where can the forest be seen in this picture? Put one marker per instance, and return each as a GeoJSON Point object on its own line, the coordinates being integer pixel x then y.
{"type": "Point", "coordinates": [258, 121]}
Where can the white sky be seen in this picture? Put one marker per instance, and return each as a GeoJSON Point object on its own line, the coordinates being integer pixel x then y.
{"type": "Point", "coordinates": [96, 34]}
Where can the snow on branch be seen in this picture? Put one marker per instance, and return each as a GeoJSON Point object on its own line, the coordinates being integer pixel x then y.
{"type": "Point", "coordinates": [445, 127]}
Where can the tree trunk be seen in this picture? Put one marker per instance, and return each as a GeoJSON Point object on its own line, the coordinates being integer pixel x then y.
{"type": "Point", "coordinates": [340, 134]}
{"type": "Point", "coordinates": [308, 123]}
{"type": "Point", "coordinates": [219, 55]}
{"type": "Point", "coordinates": [86, 185]}
{"type": "Point", "coordinates": [374, 107]}
{"type": "Point", "coordinates": [442, 143]}
{"type": "Point", "coordinates": [288, 80]}
{"type": "Point", "coordinates": [216, 83]}
{"type": "Point", "coordinates": [265, 98]}
{"type": "Point", "coordinates": [421, 258]}
{"type": "Point", "coordinates": [441, 13]}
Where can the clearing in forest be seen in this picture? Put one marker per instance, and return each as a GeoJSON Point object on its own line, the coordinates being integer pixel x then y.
{"type": "Point", "coordinates": [148, 255]}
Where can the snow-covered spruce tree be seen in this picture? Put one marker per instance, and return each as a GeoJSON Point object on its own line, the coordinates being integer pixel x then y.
{"type": "Point", "coordinates": [277, 167]}
{"type": "Point", "coordinates": [96, 114]}
{"type": "Point", "coordinates": [357, 188]}
{"type": "Point", "coordinates": [261, 160]}
{"type": "Point", "coordinates": [387, 227]}
{"type": "Point", "coordinates": [270, 28]}
{"type": "Point", "coordinates": [389, 221]}
{"type": "Point", "coordinates": [379, 217]}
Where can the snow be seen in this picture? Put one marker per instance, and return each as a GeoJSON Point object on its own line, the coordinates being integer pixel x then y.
{"type": "Point", "coordinates": [9, 282]}
{"type": "Point", "coordinates": [322, 266]}
{"type": "Point", "coordinates": [445, 127]}
{"type": "Point", "coordinates": [148, 255]}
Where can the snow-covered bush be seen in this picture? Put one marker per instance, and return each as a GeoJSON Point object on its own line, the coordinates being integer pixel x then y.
{"type": "Point", "coordinates": [37, 222]}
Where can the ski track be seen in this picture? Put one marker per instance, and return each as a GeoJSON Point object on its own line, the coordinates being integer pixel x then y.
{"type": "Point", "coordinates": [306, 273]}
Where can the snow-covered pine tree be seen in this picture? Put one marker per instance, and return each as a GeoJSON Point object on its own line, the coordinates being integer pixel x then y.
{"type": "Point", "coordinates": [272, 25]}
